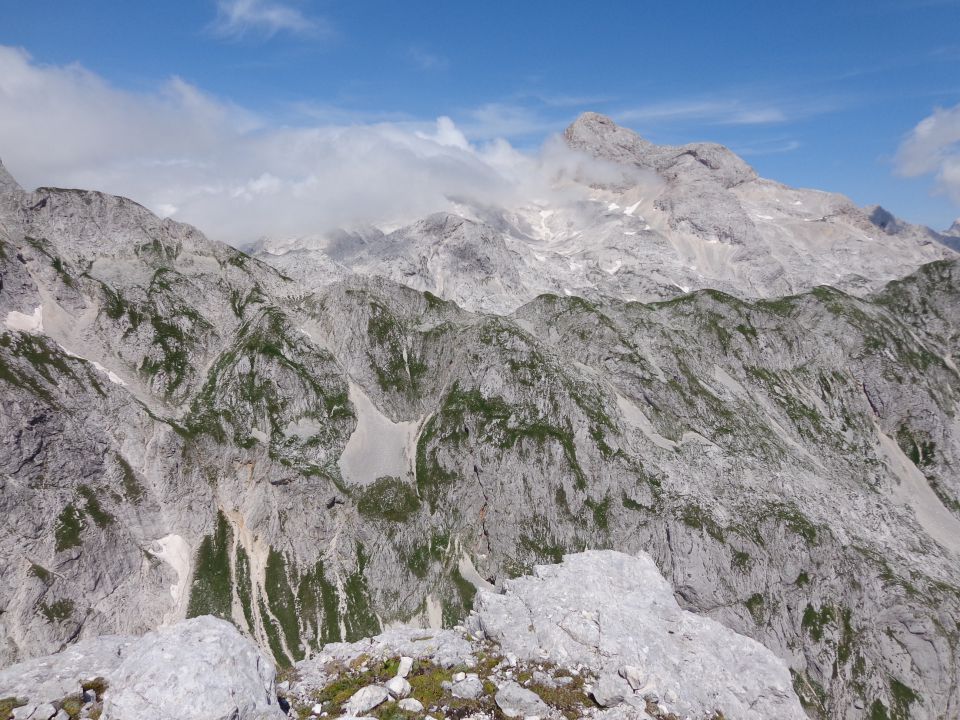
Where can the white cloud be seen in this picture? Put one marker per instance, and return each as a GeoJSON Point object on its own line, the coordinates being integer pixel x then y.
{"type": "Point", "coordinates": [239, 18]}
{"type": "Point", "coordinates": [933, 148]}
{"type": "Point", "coordinates": [239, 177]}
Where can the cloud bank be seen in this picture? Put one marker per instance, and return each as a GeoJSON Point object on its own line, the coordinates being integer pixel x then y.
{"type": "Point", "coordinates": [933, 148]}
{"type": "Point", "coordinates": [239, 177]}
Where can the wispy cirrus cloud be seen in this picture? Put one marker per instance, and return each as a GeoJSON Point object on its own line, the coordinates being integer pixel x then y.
{"type": "Point", "coordinates": [426, 60]}
{"type": "Point", "coordinates": [776, 146]}
{"type": "Point", "coordinates": [507, 120]}
{"type": "Point", "coordinates": [706, 111]}
{"type": "Point", "coordinates": [933, 148]}
{"type": "Point", "coordinates": [237, 19]}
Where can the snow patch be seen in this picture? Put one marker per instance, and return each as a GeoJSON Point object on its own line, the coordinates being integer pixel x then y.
{"type": "Point", "coordinates": [635, 417]}
{"type": "Point", "coordinates": [612, 206]}
{"type": "Point", "coordinates": [378, 446]}
{"type": "Point", "coordinates": [914, 492]}
{"type": "Point", "coordinates": [632, 209]}
{"type": "Point", "coordinates": [26, 323]}
{"type": "Point", "coordinates": [111, 375]}
{"type": "Point", "coordinates": [470, 574]}
{"type": "Point", "coordinates": [765, 217]}
{"type": "Point", "coordinates": [176, 553]}
{"type": "Point", "coordinates": [434, 613]}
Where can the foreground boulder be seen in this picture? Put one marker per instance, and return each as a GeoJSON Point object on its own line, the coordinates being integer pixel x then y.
{"type": "Point", "coordinates": [600, 635]}
{"type": "Point", "coordinates": [199, 669]}
{"type": "Point", "coordinates": [615, 615]}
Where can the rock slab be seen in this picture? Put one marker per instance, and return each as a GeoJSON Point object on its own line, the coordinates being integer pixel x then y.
{"type": "Point", "coordinates": [615, 614]}
{"type": "Point", "coordinates": [198, 669]}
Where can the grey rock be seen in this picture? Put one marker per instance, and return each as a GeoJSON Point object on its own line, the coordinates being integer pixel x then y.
{"type": "Point", "coordinates": [633, 675]}
{"type": "Point", "coordinates": [410, 705]}
{"type": "Point", "coordinates": [617, 615]}
{"type": "Point", "coordinates": [468, 688]}
{"type": "Point", "coordinates": [366, 699]}
{"type": "Point", "coordinates": [398, 687]}
{"type": "Point", "coordinates": [406, 664]}
{"type": "Point", "coordinates": [516, 701]}
{"type": "Point", "coordinates": [201, 668]}
{"type": "Point", "coordinates": [610, 690]}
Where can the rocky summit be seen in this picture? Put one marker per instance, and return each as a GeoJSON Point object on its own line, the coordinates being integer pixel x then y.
{"type": "Point", "coordinates": [750, 390]}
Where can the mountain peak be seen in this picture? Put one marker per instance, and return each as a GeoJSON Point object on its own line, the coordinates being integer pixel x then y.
{"type": "Point", "coordinates": [600, 136]}
{"type": "Point", "coordinates": [7, 183]}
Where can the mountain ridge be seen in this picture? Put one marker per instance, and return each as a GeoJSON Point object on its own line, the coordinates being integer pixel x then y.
{"type": "Point", "coordinates": [678, 218]}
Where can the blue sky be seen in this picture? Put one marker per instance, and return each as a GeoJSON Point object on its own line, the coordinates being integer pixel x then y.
{"type": "Point", "coordinates": [817, 94]}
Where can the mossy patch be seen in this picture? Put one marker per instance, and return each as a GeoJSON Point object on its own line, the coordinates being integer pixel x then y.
{"type": "Point", "coordinates": [68, 527]}
{"type": "Point", "coordinates": [755, 604]}
{"type": "Point", "coordinates": [58, 611]}
{"type": "Point", "coordinates": [41, 573]}
{"type": "Point", "coordinates": [93, 508]}
{"type": "Point", "coordinates": [212, 590]}
{"type": "Point", "coordinates": [388, 498]}
{"type": "Point", "coordinates": [359, 619]}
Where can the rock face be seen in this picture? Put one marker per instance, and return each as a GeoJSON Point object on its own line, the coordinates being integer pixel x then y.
{"type": "Point", "coordinates": [658, 222]}
{"type": "Point", "coordinates": [177, 416]}
{"type": "Point", "coordinates": [200, 669]}
{"type": "Point", "coordinates": [616, 615]}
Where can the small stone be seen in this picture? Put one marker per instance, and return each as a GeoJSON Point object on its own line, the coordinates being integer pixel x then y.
{"type": "Point", "coordinates": [23, 712]}
{"type": "Point", "coordinates": [398, 687]}
{"type": "Point", "coordinates": [44, 712]}
{"type": "Point", "coordinates": [61, 715]}
{"type": "Point", "coordinates": [670, 696]}
{"type": "Point", "coordinates": [406, 664]}
{"type": "Point", "coordinates": [457, 677]}
{"type": "Point", "coordinates": [610, 690]}
{"type": "Point", "coordinates": [470, 688]}
{"type": "Point", "coordinates": [366, 699]}
{"type": "Point", "coordinates": [317, 709]}
{"type": "Point", "coordinates": [284, 686]}
{"type": "Point", "coordinates": [410, 705]}
{"type": "Point", "coordinates": [633, 675]}
{"type": "Point", "coordinates": [515, 701]}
